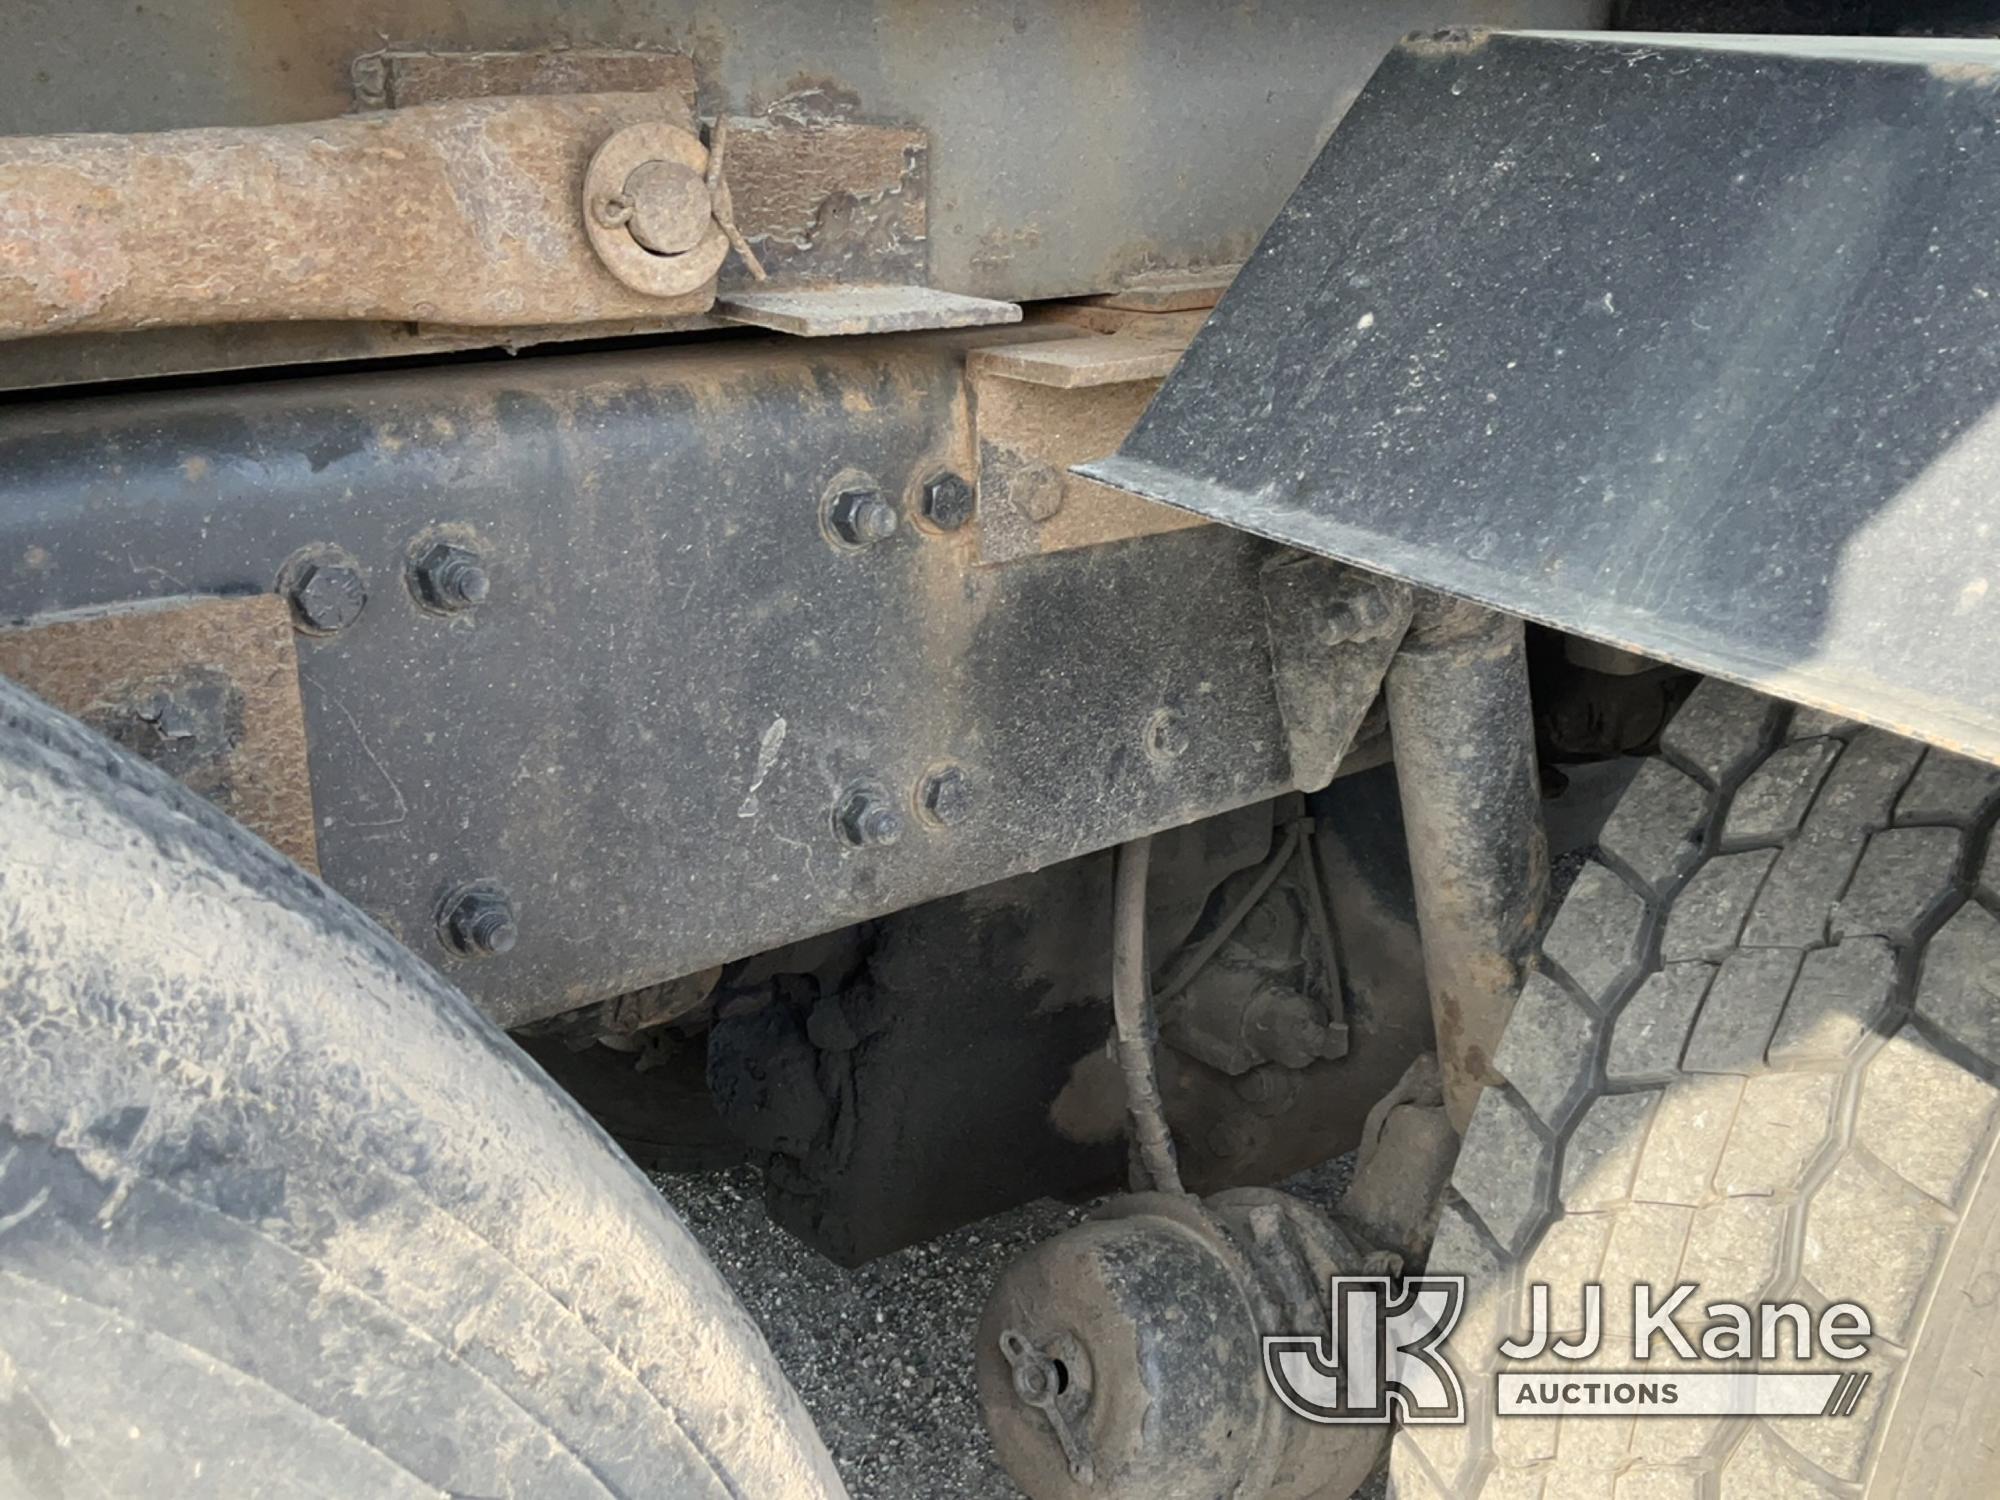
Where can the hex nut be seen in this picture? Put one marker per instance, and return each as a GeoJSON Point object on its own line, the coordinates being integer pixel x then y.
{"type": "Point", "coordinates": [327, 597]}
{"type": "Point", "coordinates": [946, 796]}
{"type": "Point", "coordinates": [948, 501]}
{"type": "Point", "coordinates": [477, 921]}
{"type": "Point", "coordinates": [450, 578]}
{"type": "Point", "coordinates": [865, 818]}
{"type": "Point", "coordinates": [861, 517]}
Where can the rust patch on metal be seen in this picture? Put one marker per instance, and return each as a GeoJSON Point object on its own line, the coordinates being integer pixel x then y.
{"type": "Point", "coordinates": [466, 213]}
{"type": "Point", "coordinates": [822, 198]}
{"type": "Point", "coordinates": [809, 99]}
{"type": "Point", "coordinates": [1077, 364]}
{"type": "Point", "coordinates": [1182, 326]}
{"type": "Point", "coordinates": [1029, 435]}
{"type": "Point", "coordinates": [206, 690]}
{"type": "Point", "coordinates": [1449, 41]}
{"type": "Point", "coordinates": [1188, 290]}
{"type": "Point", "coordinates": [398, 79]}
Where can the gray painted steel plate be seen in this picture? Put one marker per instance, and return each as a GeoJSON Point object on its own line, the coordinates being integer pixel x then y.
{"type": "Point", "coordinates": [1687, 344]}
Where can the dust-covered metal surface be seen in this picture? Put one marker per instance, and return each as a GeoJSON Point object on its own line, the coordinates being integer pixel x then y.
{"type": "Point", "coordinates": [1071, 146]}
{"type": "Point", "coordinates": [397, 79]}
{"type": "Point", "coordinates": [883, 1356]}
{"type": "Point", "coordinates": [1464, 732]}
{"type": "Point", "coordinates": [1690, 345]}
{"type": "Point", "coordinates": [830, 312]}
{"type": "Point", "coordinates": [465, 212]}
{"type": "Point", "coordinates": [151, 353]}
{"type": "Point", "coordinates": [1329, 625]}
{"type": "Point", "coordinates": [678, 673]}
{"type": "Point", "coordinates": [206, 689]}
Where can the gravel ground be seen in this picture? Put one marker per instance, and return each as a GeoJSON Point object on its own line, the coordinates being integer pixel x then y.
{"type": "Point", "coordinates": [882, 1355]}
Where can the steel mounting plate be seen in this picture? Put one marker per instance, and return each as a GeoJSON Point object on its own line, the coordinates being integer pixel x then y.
{"type": "Point", "coordinates": [1690, 344]}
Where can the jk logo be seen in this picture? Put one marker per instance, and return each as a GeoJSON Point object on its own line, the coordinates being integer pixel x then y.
{"type": "Point", "coordinates": [1380, 1360]}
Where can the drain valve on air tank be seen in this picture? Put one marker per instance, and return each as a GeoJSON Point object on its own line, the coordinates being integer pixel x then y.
{"type": "Point", "coordinates": [1122, 1359]}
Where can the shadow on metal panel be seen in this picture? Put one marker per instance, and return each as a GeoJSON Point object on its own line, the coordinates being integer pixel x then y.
{"type": "Point", "coordinates": [1689, 344]}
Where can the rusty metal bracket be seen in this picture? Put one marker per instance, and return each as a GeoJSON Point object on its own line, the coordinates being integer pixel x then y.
{"type": "Point", "coordinates": [722, 203]}
{"type": "Point", "coordinates": [1040, 407]}
{"type": "Point", "coordinates": [831, 311]}
{"type": "Point", "coordinates": [472, 195]}
{"type": "Point", "coordinates": [1194, 288]}
{"type": "Point", "coordinates": [1334, 631]}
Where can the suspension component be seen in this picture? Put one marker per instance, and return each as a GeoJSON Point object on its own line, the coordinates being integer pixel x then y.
{"type": "Point", "coordinates": [1479, 858]}
{"type": "Point", "coordinates": [463, 212]}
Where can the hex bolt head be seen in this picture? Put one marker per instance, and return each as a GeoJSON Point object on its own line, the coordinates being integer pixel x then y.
{"type": "Point", "coordinates": [450, 578]}
{"type": "Point", "coordinates": [477, 921]}
{"type": "Point", "coordinates": [1167, 735]}
{"type": "Point", "coordinates": [1037, 492]}
{"type": "Point", "coordinates": [946, 796]}
{"type": "Point", "coordinates": [1232, 1139]}
{"type": "Point", "coordinates": [1268, 1090]}
{"type": "Point", "coordinates": [867, 819]}
{"type": "Point", "coordinates": [861, 518]}
{"type": "Point", "coordinates": [328, 596]}
{"type": "Point", "coordinates": [948, 501]}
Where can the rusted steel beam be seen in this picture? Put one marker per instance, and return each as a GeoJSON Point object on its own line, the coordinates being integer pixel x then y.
{"type": "Point", "coordinates": [469, 212]}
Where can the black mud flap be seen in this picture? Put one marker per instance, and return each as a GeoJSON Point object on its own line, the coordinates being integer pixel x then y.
{"type": "Point", "coordinates": [1688, 344]}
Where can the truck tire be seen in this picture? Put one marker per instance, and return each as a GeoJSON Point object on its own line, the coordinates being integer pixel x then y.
{"type": "Point", "coordinates": [280, 1213]}
{"type": "Point", "coordinates": [1759, 1055]}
